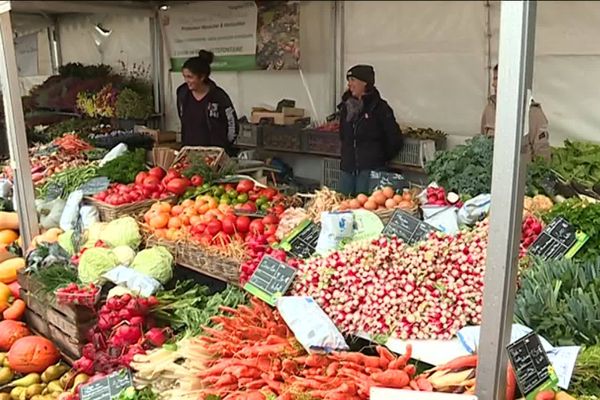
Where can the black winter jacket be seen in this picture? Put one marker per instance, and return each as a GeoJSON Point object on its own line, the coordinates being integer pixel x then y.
{"type": "Point", "coordinates": [221, 118]}
{"type": "Point", "coordinates": [373, 138]}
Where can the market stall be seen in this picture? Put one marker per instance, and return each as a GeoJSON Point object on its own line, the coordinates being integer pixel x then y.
{"type": "Point", "coordinates": [328, 297]}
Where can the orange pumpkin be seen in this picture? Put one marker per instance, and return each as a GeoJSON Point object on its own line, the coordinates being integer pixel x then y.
{"type": "Point", "coordinates": [32, 354]}
{"type": "Point", "coordinates": [8, 236]}
{"type": "Point", "coordinates": [10, 332]}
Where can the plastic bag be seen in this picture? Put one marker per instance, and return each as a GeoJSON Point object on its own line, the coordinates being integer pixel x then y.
{"type": "Point", "coordinates": [50, 212]}
{"type": "Point", "coordinates": [469, 337]}
{"type": "Point", "coordinates": [474, 210]}
{"type": "Point", "coordinates": [311, 326]}
{"type": "Point", "coordinates": [70, 214]}
{"type": "Point", "coordinates": [6, 189]}
{"type": "Point", "coordinates": [335, 227]}
{"type": "Point", "coordinates": [89, 215]}
{"type": "Point", "coordinates": [136, 282]}
{"type": "Point", "coordinates": [443, 218]}
{"type": "Point", "coordinates": [115, 152]}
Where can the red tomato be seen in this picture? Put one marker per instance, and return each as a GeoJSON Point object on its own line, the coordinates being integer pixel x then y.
{"type": "Point", "coordinates": [229, 224]}
{"type": "Point", "coordinates": [199, 229]}
{"type": "Point", "coordinates": [140, 177]}
{"type": "Point", "coordinates": [253, 196]}
{"type": "Point", "coordinates": [177, 186]}
{"type": "Point", "coordinates": [257, 226]}
{"type": "Point", "coordinates": [228, 187]}
{"type": "Point", "coordinates": [157, 172]}
{"type": "Point", "coordinates": [197, 180]}
{"type": "Point", "coordinates": [171, 174]}
{"type": "Point", "coordinates": [248, 207]}
{"type": "Point", "coordinates": [205, 239]}
{"type": "Point", "coordinates": [214, 227]}
{"type": "Point", "coordinates": [270, 220]}
{"type": "Point", "coordinates": [278, 209]}
{"type": "Point", "coordinates": [269, 230]}
{"type": "Point", "coordinates": [272, 239]}
{"type": "Point", "coordinates": [242, 224]}
{"type": "Point", "coordinates": [151, 183]}
{"type": "Point", "coordinates": [146, 192]}
{"type": "Point", "coordinates": [101, 196]}
{"type": "Point", "coordinates": [269, 193]}
{"type": "Point", "coordinates": [244, 186]}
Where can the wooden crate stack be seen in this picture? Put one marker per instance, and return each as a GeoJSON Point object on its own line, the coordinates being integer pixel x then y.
{"type": "Point", "coordinates": [65, 325]}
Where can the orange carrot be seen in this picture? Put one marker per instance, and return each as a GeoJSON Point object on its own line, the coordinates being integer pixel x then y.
{"type": "Point", "coordinates": [410, 369]}
{"type": "Point", "coordinates": [414, 386]}
{"type": "Point", "coordinates": [511, 383]}
{"type": "Point", "coordinates": [392, 378]}
{"type": "Point", "coordinates": [463, 362]}
{"type": "Point", "coordinates": [16, 310]}
{"type": "Point", "coordinates": [424, 385]}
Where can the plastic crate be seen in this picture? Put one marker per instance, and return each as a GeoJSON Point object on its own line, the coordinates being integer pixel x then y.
{"type": "Point", "coordinates": [326, 143]}
{"type": "Point", "coordinates": [250, 135]}
{"type": "Point", "coordinates": [283, 138]}
{"type": "Point", "coordinates": [331, 173]}
{"type": "Point", "coordinates": [416, 152]}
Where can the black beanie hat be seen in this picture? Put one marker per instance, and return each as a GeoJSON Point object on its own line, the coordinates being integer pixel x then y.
{"type": "Point", "coordinates": [364, 73]}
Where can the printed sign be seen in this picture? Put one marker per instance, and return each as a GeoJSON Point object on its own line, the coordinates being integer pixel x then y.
{"type": "Point", "coordinates": [271, 280]}
{"type": "Point", "coordinates": [559, 239]}
{"type": "Point", "coordinates": [108, 387]}
{"type": "Point", "coordinates": [407, 227]}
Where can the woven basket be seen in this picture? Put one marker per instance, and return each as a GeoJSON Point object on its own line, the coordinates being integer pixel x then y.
{"type": "Point", "coordinates": [386, 215]}
{"type": "Point", "coordinates": [216, 266]}
{"type": "Point", "coordinates": [221, 159]}
{"type": "Point", "coordinates": [151, 240]}
{"type": "Point", "coordinates": [108, 212]}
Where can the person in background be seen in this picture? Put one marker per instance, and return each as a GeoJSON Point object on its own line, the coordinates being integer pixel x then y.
{"type": "Point", "coordinates": [207, 115]}
{"type": "Point", "coordinates": [369, 132]}
{"type": "Point", "coordinates": [539, 137]}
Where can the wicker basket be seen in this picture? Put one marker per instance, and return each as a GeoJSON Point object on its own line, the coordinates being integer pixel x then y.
{"type": "Point", "coordinates": [108, 212]}
{"type": "Point", "coordinates": [220, 158]}
{"type": "Point", "coordinates": [150, 240]}
{"type": "Point", "coordinates": [386, 215]}
{"type": "Point", "coordinates": [216, 266]}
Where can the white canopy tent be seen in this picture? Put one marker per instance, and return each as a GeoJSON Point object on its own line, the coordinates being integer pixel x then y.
{"type": "Point", "coordinates": [516, 44]}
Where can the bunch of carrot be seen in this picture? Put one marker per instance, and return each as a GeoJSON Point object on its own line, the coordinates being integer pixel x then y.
{"type": "Point", "coordinates": [71, 143]}
{"type": "Point", "coordinates": [256, 357]}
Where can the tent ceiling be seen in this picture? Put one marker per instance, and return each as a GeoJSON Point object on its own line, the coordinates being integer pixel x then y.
{"type": "Point", "coordinates": [84, 7]}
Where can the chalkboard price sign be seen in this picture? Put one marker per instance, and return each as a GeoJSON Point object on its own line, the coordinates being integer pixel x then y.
{"type": "Point", "coordinates": [559, 239]}
{"type": "Point", "coordinates": [271, 280]}
{"type": "Point", "coordinates": [108, 387]}
{"type": "Point", "coordinates": [531, 365]}
{"type": "Point", "coordinates": [380, 179]}
{"type": "Point", "coordinates": [407, 227]}
{"type": "Point", "coordinates": [303, 243]}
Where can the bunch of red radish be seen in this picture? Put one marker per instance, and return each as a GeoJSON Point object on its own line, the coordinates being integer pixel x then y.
{"type": "Point", "coordinates": [437, 196]}
{"type": "Point", "coordinates": [426, 291]}
{"type": "Point", "coordinates": [123, 330]}
{"type": "Point", "coordinates": [259, 246]}
{"type": "Point", "coordinates": [530, 230]}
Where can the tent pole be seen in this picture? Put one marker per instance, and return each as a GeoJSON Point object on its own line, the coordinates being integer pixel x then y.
{"type": "Point", "coordinates": [15, 131]}
{"type": "Point", "coordinates": [157, 67]}
{"type": "Point", "coordinates": [516, 51]}
{"type": "Point", "coordinates": [338, 53]}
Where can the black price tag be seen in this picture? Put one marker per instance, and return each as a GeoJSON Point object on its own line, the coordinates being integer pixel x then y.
{"type": "Point", "coordinates": [108, 387]}
{"type": "Point", "coordinates": [407, 228]}
{"type": "Point", "coordinates": [559, 239]}
{"type": "Point", "coordinates": [380, 179]}
{"type": "Point", "coordinates": [304, 243]}
{"type": "Point", "coordinates": [532, 367]}
{"type": "Point", "coordinates": [271, 280]}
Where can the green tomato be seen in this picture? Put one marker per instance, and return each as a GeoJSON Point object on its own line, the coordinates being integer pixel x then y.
{"type": "Point", "coordinates": [261, 200]}
{"type": "Point", "coordinates": [225, 200]}
{"type": "Point", "coordinates": [219, 192]}
{"type": "Point", "coordinates": [206, 186]}
{"type": "Point", "coordinates": [265, 207]}
{"type": "Point", "coordinates": [232, 193]}
{"type": "Point", "coordinates": [242, 198]}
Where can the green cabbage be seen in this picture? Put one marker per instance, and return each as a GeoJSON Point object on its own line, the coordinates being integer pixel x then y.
{"type": "Point", "coordinates": [125, 254]}
{"type": "Point", "coordinates": [94, 263]}
{"type": "Point", "coordinates": [65, 240]}
{"type": "Point", "coordinates": [93, 234]}
{"type": "Point", "coordinates": [155, 262]}
{"type": "Point", "coordinates": [122, 232]}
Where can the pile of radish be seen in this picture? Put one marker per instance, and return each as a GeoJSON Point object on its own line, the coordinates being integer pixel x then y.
{"type": "Point", "coordinates": [531, 229]}
{"type": "Point", "coordinates": [426, 291]}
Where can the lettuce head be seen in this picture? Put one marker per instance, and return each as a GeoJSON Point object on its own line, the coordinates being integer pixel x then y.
{"type": "Point", "coordinates": [156, 262]}
{"type": "Point", "coordinates": [94, 263]}
{"type": "Point", "coordinates": [122, 232]}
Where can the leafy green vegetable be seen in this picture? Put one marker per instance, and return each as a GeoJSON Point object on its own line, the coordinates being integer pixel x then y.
{"type": "Point", "coordinates": [121, 232]}
{"type": "Point", "coordinates": [584, 216]}
{"type": "Point", "coordinates": [132, 393]}
{"type": "Point", "coordinates": [56, 276]}
{"type": "Point", "coordinates": [155, 262]}
{"type": "Point", "coordinates": [560, 299]}
{"type": "Point", "coordinates": [197, 166]}
{"type": "Point", "coordinates": [124, 168]}
{"type": "Point", "coordinates": [578, 161]}
{"type": "Point", "coordinates": [82, 127]}
{"type": "Point", "coordinates": [68, 181]}
{"type": "Point", "coordinates": [46, 255]}
{"type": "Point", "coordinates": [586, 376]}
{"type": "Point", "coordinates": [466, 169]}
{"type": "Point", "coordinates": [94, 263]}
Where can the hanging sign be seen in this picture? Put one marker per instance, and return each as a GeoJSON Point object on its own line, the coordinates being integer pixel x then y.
{"type": "Point", "coordinates": [532, 367]}
{"type": "Point", "coordinates": [271, 280]}
{"type": "Point", "coordinates": [559, 239]}
{"type": "Point", "coordinates": [381, 179]}
{"type": "Point", "coordinates": [108, 387]}
{"type": "Point", "coordinates": [302, 242]}
{"type": "Point", "coordinates": [407, 227]}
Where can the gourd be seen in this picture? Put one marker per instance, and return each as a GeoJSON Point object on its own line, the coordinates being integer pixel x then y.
{"type": "Point", "coordinates": [10, 332]}
{"type": "Point", "coordinates": [9, 220]}
{"type": "Point", "coordinates": [8, 236]}
{"type": "Point", "coordinates": [9, 269]}
{"type": "Point", "coordinates": [32, 354]}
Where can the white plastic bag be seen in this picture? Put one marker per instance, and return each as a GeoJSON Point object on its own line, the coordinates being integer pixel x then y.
{"type": "Point", "coordinates": [311, 326]}
{"type": "Point", "coordinates": [70, 213]}
{"type": "Point", "coordinates": [115, 152]}
{"type": "Point", "coordinates": [443, 218]}
{"type": "Point", "coordinates": [89, 215]}
{"type": "Point", "coordinates": [469, 337]}
{"type": "Point", "coordinates": [50, 212]}
{"type": "Point", "coordinates": [136, 282]}
{"type": "Point", "coordinates": [474, 210]}
{"type": "Point", "coordinates": [335, 227]}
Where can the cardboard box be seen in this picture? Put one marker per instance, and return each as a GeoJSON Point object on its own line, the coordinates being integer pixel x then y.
{"type": "Point", "coordinates": [157, 135]}
{"type": "Point", "coordinates": [287, 116]}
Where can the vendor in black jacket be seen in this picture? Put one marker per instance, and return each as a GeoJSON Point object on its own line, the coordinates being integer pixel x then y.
{"type": "Point", "coordinates": [369, 132]}
{"type": "Point", "coordinates": [207, 115]}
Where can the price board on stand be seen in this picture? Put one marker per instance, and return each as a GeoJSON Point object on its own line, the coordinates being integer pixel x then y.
{"type": "Point", "coordinates": [532, 367]}
{"type": "Point", "coordinates": [407, 227]}
{"type": "Point", "coordinates": [271, 280]}
{"type": "Point", "coordinates": [558, 239]}
{"type": "Point", "coordinates": [302, 241]}
{"type": "Point", "coordinates": [381, 179]}
{"type": "Point", "coordinates": [108, 387]}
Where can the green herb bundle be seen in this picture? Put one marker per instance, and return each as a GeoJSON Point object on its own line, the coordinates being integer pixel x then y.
{"type": "Point", "coordinates": [586, 376]}
{"type": "Point", "coordinates": [466, 169]}
{"type": "Point", "coordinates": [124, 168]}
{"type": "Point", "coordinates": [578, 161]}
{"type": "Point", "coordinates": [584, 216]}
{"type": "Point", "coordinates": [561, 300]}
{"type": "Point", "coordinates": [65, 182]}
{"type": "Point", "coordinates": [132, 393]}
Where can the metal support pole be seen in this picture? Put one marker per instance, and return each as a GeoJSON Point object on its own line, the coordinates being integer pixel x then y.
{"type": "Point", "coordinates": [15, 130]}
{"type": "Point", "coordinates": [516, 50]}
{"type": "Point", "coordinates": [338, 52]}
{"type": "Point", "coordinates": [157, 67]}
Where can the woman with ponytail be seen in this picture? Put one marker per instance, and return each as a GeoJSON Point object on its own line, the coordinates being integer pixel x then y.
{"type": "Point", "coordinates": [207, 115]}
